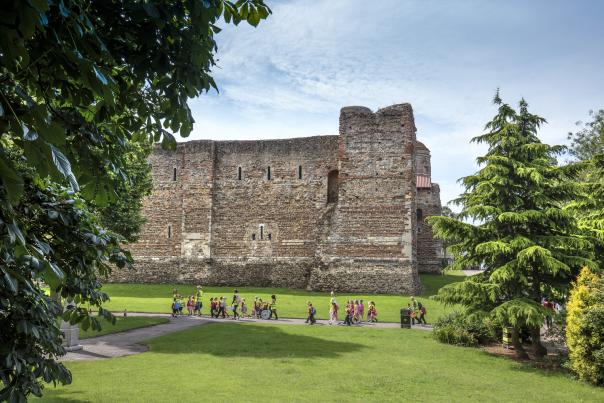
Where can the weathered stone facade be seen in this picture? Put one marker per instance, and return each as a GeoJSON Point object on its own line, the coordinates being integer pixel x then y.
{"type": "Point", "coordinates": [324, 212]}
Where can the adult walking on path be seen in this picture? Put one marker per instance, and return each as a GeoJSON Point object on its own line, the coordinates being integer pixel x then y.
{"type": "Point", "coordinates": [274, 307]}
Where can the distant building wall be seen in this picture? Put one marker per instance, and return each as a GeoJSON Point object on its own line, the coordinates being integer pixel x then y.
{"type": "Point", "coordinates": [324, 212]}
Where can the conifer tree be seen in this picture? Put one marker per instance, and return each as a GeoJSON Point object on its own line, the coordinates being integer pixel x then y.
{"type": "Point", "coordinates": [513, 225]}
{"type": "Point", "coordinates": [587, 147]}
{"type": "Point", "coordinates": [589, 208]}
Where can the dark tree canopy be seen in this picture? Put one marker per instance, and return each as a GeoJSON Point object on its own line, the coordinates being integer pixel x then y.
{"type": "Point", "coordinates": [123, 215]}
{"type": "Point", "coordinates": [79, 78]}
{"type": "Point", "coordinates": [83, 85]}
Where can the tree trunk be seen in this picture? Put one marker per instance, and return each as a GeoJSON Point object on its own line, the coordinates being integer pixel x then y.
{"type": "Point", "coordinates": [538, 348]}
{"type": "Point", "coordinates": [518, 349]}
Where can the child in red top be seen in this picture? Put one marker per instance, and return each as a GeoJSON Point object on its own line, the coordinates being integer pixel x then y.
{"type": "Point", "coordinates": [190, 306]}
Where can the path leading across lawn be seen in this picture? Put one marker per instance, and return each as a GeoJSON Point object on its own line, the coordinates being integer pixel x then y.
{"type": "Point", "coordinates": [128, 342]}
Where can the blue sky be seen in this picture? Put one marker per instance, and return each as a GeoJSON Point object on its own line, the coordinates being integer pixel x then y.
{"type": "Point", "coordinates": [290, 76]}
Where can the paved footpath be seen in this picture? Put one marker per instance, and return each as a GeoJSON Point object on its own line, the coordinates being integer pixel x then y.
{"type": "Point", "coordinates": [128, 342]}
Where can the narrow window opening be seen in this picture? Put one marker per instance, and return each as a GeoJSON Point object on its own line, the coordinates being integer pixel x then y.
{"type": "Point", "coordinates": [268, 173]}
{"type": "Point", "coordinates": [174, 175]}
{"type": "Point", "coordinates": [239, 173]}
{"type": "Point", "coordinates": [270, 237]}
{"type": "Point", "coordinates": [169, 231]}
{"type": "Point", "coordinates": [299, 171]}
{"type": "Point", "coordinates": [332, 186]}
{"type": "Point", "coordinates": [262, 232]}
{"type": "Point", "coordinates": [253, 237]}
{"type": "Point", "coordinates": [420, 215]}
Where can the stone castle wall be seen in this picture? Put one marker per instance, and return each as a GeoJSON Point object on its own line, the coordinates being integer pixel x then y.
{"type": "Point", "coordinates": [324, 212]}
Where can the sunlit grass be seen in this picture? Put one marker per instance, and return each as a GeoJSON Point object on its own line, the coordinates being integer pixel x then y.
{"type": "Point", "coordinates": [279, 363]}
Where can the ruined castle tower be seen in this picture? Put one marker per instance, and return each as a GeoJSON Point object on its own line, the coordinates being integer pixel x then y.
{"type": "Point", "coordinates": [327, 212]}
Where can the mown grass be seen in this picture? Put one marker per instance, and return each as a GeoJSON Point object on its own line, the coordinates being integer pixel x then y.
{"type": "Point", "coordinates": [276, 363]}
{"type": "Point", "coordinates": [122, 324]}
{"type": "Point", "coordinates": [291, 303]}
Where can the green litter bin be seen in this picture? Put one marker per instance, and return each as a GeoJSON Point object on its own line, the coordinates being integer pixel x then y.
{"type": "Point", "coordinates": [507, 338]}
{"type": "Point", "coordinates": [405, 319]}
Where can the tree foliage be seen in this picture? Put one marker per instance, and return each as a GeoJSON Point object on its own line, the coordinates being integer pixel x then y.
{"type": "Point", "coordinates": [123, 215]}
{"type": "Point", "coordinates": [589, 140]}
{"type": "Point", "coordinates": [82, 84]}
{"type": "Point", "coordinates": [52, 238]}
{"type": "Point", "coordinates": [513, 225]}
{"type": "Point", "coordinates": [587, 145]}
{"type": "Point", "coordinates": [460, 329]}
{"type": "Point", "coordinates": [585, 327]}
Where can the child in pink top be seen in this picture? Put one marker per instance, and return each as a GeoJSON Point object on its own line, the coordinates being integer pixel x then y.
{"type": "Point", "coordinates": [190, 306]}
{"type": "Point", "coordinates": [361, 311]}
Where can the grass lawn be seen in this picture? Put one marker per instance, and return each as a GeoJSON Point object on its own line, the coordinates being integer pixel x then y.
{"type": "Point", "coordinates": [266, 362]}
{"type": "Point", "coordinates": [123, 324]}
{"type": "Point", "coordinates": [290, 303]}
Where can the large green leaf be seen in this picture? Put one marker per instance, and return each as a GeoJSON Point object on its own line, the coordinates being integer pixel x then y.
{"type": "Point", "coordinates": [53, 275]}
{"type": "Point", "coordinates": [64, 167]}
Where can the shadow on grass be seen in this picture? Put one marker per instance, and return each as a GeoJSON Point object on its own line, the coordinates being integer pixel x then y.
{"type": "Point", "coordinates": [547, 367]}
{"type": "Point", "coordinates": [248, 340]}
{"type": "Point", "coordinates": [49, 394]}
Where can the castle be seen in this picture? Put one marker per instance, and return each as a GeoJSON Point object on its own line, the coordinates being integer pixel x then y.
{"type": "Point", "coordinates": [342, 212]}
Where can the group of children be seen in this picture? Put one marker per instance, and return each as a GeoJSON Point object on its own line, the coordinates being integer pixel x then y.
{"type": "Point", "coordinates": [238, 307]}
{"type": "Point", "coordinates": [193, 303]}
{"type": "Point", "coordinates": [219, 308]}
{"type": "Point", "coordinates": [355, 312]}
{"type": "Point", "coordinates": [417, 311]}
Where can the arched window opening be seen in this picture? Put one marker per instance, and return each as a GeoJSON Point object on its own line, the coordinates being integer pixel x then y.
{"type": "Point", "coordinates": [261, 232]}
{"type": "Point", "coordinates": [253, 237]}
{"type": "Point", "coordinates": [420, 215]}
{"type": "Point", "coordinates": [169, 231]}
{"type": "Point", "coordinates": [174, 175]}
{"type": "Point", "coordinates": [239, 173]}
{"type": "Point", "coordinates": [268, 173]}
{"type": "Point", "coordinates": [299, 171]}
{"type": "Point", "coordinates": [332, 186]}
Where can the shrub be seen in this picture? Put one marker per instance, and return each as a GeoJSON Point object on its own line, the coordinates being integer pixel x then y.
{"type": "Point", "coordinates": [585, 327]}
{"type": "Point", "coordinates": [463, 330]}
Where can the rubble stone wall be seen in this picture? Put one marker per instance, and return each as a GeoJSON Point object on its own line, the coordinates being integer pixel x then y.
{"type": "Point", "coordinates": [429, 249]}
{"type": "Point", "coordinates": [322, 213]}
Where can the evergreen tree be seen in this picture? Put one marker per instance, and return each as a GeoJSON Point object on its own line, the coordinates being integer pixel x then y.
{"type": "Point", "coordinates": [587, 146]}
{"type": "Point", "coordinates": [589, 207]}
{"type": "Point", "coordinates": [513, 225]}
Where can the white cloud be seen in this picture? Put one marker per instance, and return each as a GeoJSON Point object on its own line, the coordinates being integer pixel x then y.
{"type": "Point", "coordinates": [291, 75]}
